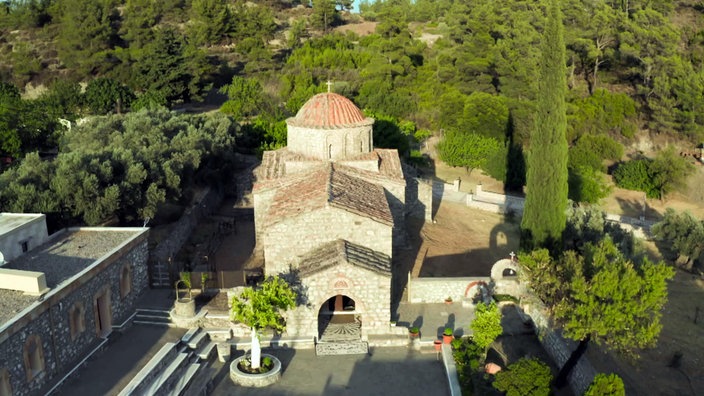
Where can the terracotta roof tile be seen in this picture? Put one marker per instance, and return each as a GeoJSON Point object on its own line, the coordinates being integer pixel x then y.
{"type": "Point", "coordinates": [329, 110]}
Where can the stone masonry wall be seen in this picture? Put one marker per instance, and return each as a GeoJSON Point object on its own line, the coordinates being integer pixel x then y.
{"type": "Point", "coordinates": [201, 208]}
{"type": "Point", "coordinates": [370, 291]}
{"type": "Point", "coordinates": [436, 290]}
{"type": "Point", "coordinates": [315, 143]}
{"type": "Point", "coordinates": [558, 347]}
{"type": "Point", "coordinates": [61, 352]}
{"type": "Point", "coordinates": [292, 237]}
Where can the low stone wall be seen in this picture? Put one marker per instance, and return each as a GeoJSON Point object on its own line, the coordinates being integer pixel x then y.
{"type": "Point", "coordinates": [203, 206]}
{"type": "Point", "coordinates": [639, 228]}
{"type": "Point", "coordinates": [436, 290]}
{"type": "Point", "coordinates": [558, 347]}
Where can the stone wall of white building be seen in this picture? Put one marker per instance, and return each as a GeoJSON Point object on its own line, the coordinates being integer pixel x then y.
{"type": "Point", "coordinates": [289, 238]}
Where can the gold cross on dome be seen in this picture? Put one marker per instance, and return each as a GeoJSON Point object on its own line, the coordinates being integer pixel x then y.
{"type": "Point", "coordinates": [329, 84]}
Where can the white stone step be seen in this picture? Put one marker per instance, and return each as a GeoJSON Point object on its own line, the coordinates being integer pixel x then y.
{"type": "Point", "coordinates": [341, 348]}
{"type": "Point", "coordinates": [189, 334]}
{"type": "Point", "coordinates": [185, 379]}
{"type": "Point", "coordinates": [169, 349]}
{"type": "Point", "coordinates": [196, 341]}
{"type": "Point", "coordinates": [206, 352]}
{"type": "Point", "coordinates": [164, 376]}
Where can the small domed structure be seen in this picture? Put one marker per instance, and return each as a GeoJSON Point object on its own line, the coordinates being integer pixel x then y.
{"type": "Point", "coordinates": [330, 127]}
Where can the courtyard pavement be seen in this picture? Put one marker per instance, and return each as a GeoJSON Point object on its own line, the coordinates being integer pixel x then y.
{"type": "Point", "coordinates": [432, 319]}
{"type": "Point", "coordinates": [384, 371]}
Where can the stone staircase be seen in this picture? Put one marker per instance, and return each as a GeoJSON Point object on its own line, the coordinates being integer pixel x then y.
{"type": "Point", "coordinates": [160, 276]}
{"type": "Point", "coordinates": [153, 316]}
{"type": "Point", "coordinates": [178, 368]}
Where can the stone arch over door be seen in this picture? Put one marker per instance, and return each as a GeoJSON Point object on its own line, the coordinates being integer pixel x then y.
{"type": "Point", "coordinates": [339, 317]}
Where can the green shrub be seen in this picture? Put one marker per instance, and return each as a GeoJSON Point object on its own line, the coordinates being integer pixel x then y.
{"type": "Point", "coordinates": [486, 324]}
{"type": "Point", "coordinates": [526, 377]}
{"type": "Point", "coordinates": [635, 175]}
{"type": "Point", "coordinates": [606, 385]}
{"type": "Point", "coordinates": [586, 185]}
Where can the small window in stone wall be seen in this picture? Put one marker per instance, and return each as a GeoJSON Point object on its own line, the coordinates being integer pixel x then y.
{"type": "Point", "coordinates": [5, 385]}
{"type": "Point", "coordinates": [125, 281]}
{"type": "Point", "coordinates": [76, 320]}
{"type": "Point", "coordinates": [33, 357]}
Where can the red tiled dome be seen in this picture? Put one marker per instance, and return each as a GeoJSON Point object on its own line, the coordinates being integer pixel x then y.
{"type": "Point", "coordinates": [329, 110]}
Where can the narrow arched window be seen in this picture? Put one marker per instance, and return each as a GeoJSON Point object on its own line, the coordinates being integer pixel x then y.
{"type": "Point", "coordinates": [125, 281]}
{"type": "Point", "coordinates": [33, 357]}
{"type": "Point", "coordinates": [76, 320]}
{"type": "Point", "coordinates": [330, 151]}
{"type": "Point", "coordinates": [5, 385]}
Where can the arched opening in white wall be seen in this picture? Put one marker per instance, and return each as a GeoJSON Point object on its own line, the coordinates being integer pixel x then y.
{"type": "Point", "coordinates": [125, 280]}
{"type": "Point", "coordinates": [33, 356]}
{"type": "Point", "coordinates": [338, 320]}
{"type": "Point", "coordinates": [76, 319]}
{"type": "Point", "coordinates": [509, 273]}
{"type": "Point", "coordinates": [5, 384]}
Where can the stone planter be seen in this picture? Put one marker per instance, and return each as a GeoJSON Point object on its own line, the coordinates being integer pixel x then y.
{"type": "Point", "coordinates": [185, 307]}
{"type": "Point", "coordinates": [255, 380]}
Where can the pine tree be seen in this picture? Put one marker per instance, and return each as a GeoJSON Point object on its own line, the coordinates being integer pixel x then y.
{"type": "Point", "coordinates": [546, 201]}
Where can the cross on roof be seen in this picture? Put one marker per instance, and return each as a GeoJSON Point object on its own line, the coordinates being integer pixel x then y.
{"type": "Point", "coordinates": [329, 84]}
{"type": "Point", "coordinates": [513, 255]}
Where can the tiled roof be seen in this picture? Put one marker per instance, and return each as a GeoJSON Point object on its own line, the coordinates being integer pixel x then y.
{"type": "Point", "coordinates": [273, 166]}
{"type": "Point", "coordinates": [329, 110]}
{"type": "Point", "coordinates": [329, 185]}
{"type": "Point", "coordinates": [336, 252]}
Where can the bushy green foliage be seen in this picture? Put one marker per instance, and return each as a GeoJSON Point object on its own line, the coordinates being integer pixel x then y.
{"type": "Point", "coordinates": [603, 112]}
{"type": "Point", "coordinates": [486, 325]}
{"type": "Point", "coordinates": [104, 95]}
{"type": "Point", "coordinates": [587, 224]}
{"type": "Point", "coordinates": [245, 97]}
{"type": "Point", "coordinates": [526, 377]}
{"type": "Point", "coordinates": [485, 115]}
{"type": "Point", "coordinates": [681, 236]}
{"type": "Point", "coordinates": [546, 199]}
{"type": "Point", "coordinates": [586, 185]}
{"type": "Point", "coordinates": [122, 165]}
{"type": "Point", "coordinates": [388, 132]}
{"type": "Point", "coordinates": [262, 307]}
{"type": "Point", "coordinates": [635, 175]}
{"type": "Point", "coordinates": [468, 150]}
{"type": "Point", "coordinates": [606, 385]}
{"type": "Point", "coordinates": [209, 21]}
{"type": "Point", "coordinates": [591, 150]}
{"type": "Point", "coordinates": [611, 299]}
{"type": "Point", "coordinates": [657, 177]}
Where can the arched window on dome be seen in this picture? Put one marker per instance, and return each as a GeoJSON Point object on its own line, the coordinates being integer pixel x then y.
{"type": "Point", "coordinates": [361, 146]}
{"type": "Point", "coordinates": [329, 151]}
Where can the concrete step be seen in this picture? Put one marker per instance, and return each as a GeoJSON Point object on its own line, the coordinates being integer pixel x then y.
{"type": "Point", "coordinates": [189, 334]}
{"type": "Point", "coordinates": [201, 383]}
{"type": "Point", "coordinates": [185, 378]}
{"type": "Point", "coordinates": [154, 317]}
{"type": "Point", "coordinates": [199, 339]}
{"type": "Point", "coordinates": [167, 374]}
{"type": "Point", "coordinates": [136, 386]}
{"type": "Point", "coordinates": [341, 348]}
{"type": "Point", "coordinates": [207, 351]}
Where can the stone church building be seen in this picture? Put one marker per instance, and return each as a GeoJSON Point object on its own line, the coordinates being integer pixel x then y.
{"type": "Point", "coordinates": [329, 210]}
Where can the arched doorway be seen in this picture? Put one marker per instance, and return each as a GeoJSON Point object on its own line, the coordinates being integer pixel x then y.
{"type": "Point", "coordinates": [338, 320]}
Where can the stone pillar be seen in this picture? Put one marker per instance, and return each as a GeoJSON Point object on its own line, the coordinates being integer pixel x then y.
{"type": "Point", "coordinates": [456, 184]}
{"type": "Point", "coordinates": [338, 303]}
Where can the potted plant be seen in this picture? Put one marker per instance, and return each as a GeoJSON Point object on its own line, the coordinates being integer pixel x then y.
{"type": "Point", "coordinates": [448, 300]}
{"type": "Point", "coordinates": [447, 335]}
{"type": "Point", "coordinates": [437, 344]}
{"type": "Point", "coordinates": [413, 331]}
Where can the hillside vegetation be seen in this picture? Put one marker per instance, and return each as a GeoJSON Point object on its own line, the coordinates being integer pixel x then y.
{"type": "Point", "coordinates": [466, 71]}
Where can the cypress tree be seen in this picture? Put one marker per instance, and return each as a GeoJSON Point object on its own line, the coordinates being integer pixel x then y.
{"type": "Point", "coordinates": [546, 201]}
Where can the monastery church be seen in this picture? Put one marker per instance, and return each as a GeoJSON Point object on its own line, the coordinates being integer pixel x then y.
{"type": "Point", "coordinates": [329, 210]}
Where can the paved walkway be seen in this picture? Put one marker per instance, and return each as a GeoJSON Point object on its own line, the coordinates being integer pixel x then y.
{"type": "Point", "coordinates": [385, 371]}
{"type": "Point", "coordinates": [432, 319]}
